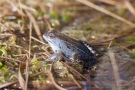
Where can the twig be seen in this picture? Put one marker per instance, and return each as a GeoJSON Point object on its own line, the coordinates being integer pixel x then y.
{"type": "Point", "coordinates": [72, 77]}
{"type": "Point", "coordinates": [70, 68]}
{"type": "Point", "coordinates": [112, 2]}
{"type": "Point", "coordinates": [10, 59]}
{"type": "Point", "coordinates": [115, 70]}
{"type": "Point", "coordinates": [53, 81]}
{"type": "Point", "coordinates": [37, 40]}
{"type": "Point", "coordinates": [133, 80]}
{"type": "Point", "coordinates": [7, 84]}
{"type": "Point", "coordinates": [86, 2]}
{"type": "Point", "coordinates": [27, 61]}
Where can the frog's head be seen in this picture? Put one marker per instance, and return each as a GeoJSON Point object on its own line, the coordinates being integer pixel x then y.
{"type": "Point", "coordinates": [52, 39]}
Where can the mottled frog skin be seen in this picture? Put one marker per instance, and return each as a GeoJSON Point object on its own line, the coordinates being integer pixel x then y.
{"type": "Point", "coordinates": [72, 49]}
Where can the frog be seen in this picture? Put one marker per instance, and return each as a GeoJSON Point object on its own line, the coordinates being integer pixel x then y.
{"type": "Point", "coordinates": [75, 50]}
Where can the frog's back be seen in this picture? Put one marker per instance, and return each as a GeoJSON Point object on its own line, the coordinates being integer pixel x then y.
{"type": "Point", "coordinates": [75, 45]}
{"type": "Point", "coordinates": [71, 48]}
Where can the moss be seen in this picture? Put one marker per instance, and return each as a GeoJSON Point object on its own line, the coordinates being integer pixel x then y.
{"type": "Point", "coordinates": [66, 18]}
{"type": "Point", "coordinates": [131, 39]}
{"type": "Point", "coordinates": [5, 68]}
{"type": "Point", "coordinates": [40, 13]}
{"type": "Point", "coordinates": [54, 15]}
{"type": "Point", "coordinates": [3, 51]}
{"type": "Point", "coordinates": [1, 64]}
{"type": "Point", "coordinates": [133, 51]}
{"type": "Point", "coordinates": [88, 28]}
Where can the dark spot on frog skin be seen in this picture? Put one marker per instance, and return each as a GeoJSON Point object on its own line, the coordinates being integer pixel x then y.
{"type": "Point", "coordinates": [73, 50]}
{"type": "Point", "coordinates": [68, 47]}
{"type": "Point", "coordinates": [60, 46]}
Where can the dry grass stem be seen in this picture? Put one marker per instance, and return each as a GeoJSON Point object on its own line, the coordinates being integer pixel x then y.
{"type": "Point", "coordinates": [72, 77]}
{"type": "Point", "coordinates": [109, 45]}
{"type": "Point", "coordinates": [10, 83]}
{"type": "Point", "coordinates": [48, 24]}
{"type": "Point", "coordinates": [54, 83]}
{"type": "Point", "coordinates": [103, 41]}
{"type": "Point", "coordinates": [3, 26]}
{"type": "Point", "coordinates": [6, 34]}
{"type": "Point", "coordinates": [37, 40]}
{"type": "Point", "coordinates": [27, 7]}
{"type": "Point", "coordinates": [112, 2]}
{"type": "Point", "coordinates": [53, 80]}
{"type": "Point", "coordinates": [15, 6]}
{"type": "Point", "coordinates": [32, 75]}
{"type": "Point", "coordinates": [27, 61]}
{"type": "Point", "coordinates": [20, 79]}
{"type": "Point", "coordinates": [17, 46]}
{"type": "Point", "coordinates": [47, 53]}
{"type": "Point", "coordinates": [21, 15]}
{"type": "Point", "coordinates": [133, 80]}
{"type": "Point", "coordinates": [115, 70]}
{"type": "Point", "coordinates": [73, 70]}
{"type": "Point", "coordinates": [30, 34]}
{"type": "Point", "coordinates": [2, 57]}
{"type": "Point", "coordinates": [27, 74]}
{"type": "Point", "coordinates": [106, 12]}
{"type": "Point", "coordinates": [7, 84]}
{"type": "Point", "coordinates": [38, 73]}
{"type": "Point", "coordinates": [124, 47]}
{"type": "Point", "coordinates": [129, 7]}
{"type": "Point", "coordinates": [37, 30]}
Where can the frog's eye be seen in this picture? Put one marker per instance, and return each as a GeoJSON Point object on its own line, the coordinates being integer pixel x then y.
{"type": "Point", "coordinates": [51, 35]}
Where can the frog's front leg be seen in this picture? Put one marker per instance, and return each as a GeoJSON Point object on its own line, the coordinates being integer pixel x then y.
{"type": "Point", "coordinates": [57, 56]}
{"type": "Point", "coordinates": [86, 60]}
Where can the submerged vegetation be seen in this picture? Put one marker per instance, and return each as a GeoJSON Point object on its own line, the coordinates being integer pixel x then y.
{"type": "Point", "coordinates": [25, 57]}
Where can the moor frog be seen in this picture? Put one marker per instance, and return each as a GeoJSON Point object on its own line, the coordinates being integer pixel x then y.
{"type": "Point", "coordinates": [74, 50]}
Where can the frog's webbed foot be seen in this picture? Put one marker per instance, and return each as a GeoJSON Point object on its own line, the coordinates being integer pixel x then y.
{"type": "Point", "coordinates": [86, 60]}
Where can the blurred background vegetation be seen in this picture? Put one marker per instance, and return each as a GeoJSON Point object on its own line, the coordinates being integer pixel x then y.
{"type": "Point", "coordinates": [108, 25]}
